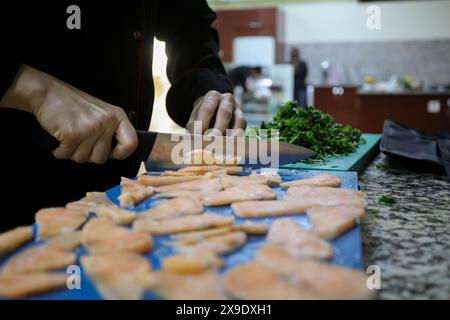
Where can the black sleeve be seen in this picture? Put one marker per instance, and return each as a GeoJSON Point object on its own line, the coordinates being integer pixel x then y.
{"type": "Point", "coordinates": [192, 45]}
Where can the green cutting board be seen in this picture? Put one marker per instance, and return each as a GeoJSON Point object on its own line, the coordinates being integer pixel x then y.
{"type": "Point", "coordinates": [355, 161]}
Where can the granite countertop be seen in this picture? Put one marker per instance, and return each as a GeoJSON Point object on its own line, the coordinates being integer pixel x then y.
{"type": "Point", "coordinates": [410, 239]}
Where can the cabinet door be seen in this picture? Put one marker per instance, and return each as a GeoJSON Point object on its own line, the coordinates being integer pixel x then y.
{"type": "Point", "coordinates": [239, 23]}
{"type": "Point", "coordinates": [339, 102]}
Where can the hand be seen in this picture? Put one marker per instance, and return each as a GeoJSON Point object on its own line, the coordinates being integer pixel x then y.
{"type": "Point", "coordinates": [218, 112]}
{"type": "Point", "coordinates": [83, 124]}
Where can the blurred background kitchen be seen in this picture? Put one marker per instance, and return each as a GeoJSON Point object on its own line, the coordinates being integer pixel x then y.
{"type": "Point", "coordinates": [359, 63]}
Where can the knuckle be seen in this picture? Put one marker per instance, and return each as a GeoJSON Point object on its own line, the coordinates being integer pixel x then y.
{"type": "Point", "coordinates": [212, 93]}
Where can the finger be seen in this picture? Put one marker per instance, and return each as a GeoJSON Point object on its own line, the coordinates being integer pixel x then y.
{"type": "Point", "coordinates": [225, 113]}
{"type": "Point", "coordinates": [208, 109]}
{"type": "Point", "coordinates": [68, 143]}
{"type": "Point", "coordinates": [102, 148]}
{"type": "Point", "coordinates": [239, 121]}
{"type": "Point", "coordinates": [84, 150]}
{"type": "Point", "coordinates": [65, 150]}
{"type": "Point", "coordinates": [127, 140]}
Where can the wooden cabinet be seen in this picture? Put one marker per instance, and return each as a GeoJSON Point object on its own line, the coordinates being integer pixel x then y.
{"type": "Point", "coordinates": [367, 111]}
{"type": "Point", "coordinates": [339, 101]}
{"type": "Point", "coordinates": [250, 22]}
{"type": "Point", "coordinates": [426, 111]}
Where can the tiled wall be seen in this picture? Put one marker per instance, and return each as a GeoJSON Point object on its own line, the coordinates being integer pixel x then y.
{"type": "Point", "coordinates": [428, 61]}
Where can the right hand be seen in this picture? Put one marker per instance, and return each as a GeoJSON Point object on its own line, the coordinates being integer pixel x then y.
{"type": "Point", "coordinates": [83, 124]}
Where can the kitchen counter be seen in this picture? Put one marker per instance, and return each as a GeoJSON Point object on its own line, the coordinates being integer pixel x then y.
{"type": "Point", "coordinates": [410, 239]}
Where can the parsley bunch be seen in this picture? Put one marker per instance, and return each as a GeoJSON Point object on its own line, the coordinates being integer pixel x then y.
{"type": "Point", "coordinates": [312, 129]}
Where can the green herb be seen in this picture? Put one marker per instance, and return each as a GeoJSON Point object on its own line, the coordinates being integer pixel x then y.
{"type": "Point", "coordinates": [386, 200]}
{"type": "Point", "coordinates": [310, 128]}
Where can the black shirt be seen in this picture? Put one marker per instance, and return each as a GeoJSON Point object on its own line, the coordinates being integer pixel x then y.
{"type": "Point", "coordinates": [110, 57]}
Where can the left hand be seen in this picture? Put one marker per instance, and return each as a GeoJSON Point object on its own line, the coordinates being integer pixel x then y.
{"type": "Point", "coordinates": [217, 111]}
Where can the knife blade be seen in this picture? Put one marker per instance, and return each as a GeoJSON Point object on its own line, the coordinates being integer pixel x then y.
{"type": "Point", "coordinates": [164, 151]}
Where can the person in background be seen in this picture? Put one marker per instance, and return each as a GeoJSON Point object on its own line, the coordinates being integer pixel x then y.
{"type": "Point", "coordinates": [300, 74]}
{"type": "Point", "coordinates": [239, 75]}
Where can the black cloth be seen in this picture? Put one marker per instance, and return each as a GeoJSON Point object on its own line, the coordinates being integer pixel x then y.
{"type": "Point", "coordinates": [416, 147]}
{"type": "Point", "coordinates": [110, 57]}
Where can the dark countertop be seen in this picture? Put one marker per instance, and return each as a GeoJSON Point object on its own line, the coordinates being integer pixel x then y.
{"type": "Point", "coordinates": [404, 93]}
{"type": "Point", "coordinates": [410, 239]}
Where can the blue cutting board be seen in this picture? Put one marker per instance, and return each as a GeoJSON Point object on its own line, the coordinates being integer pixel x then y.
{"type": "Point", "coordinates": [355, 161]}
{"type": "Point", "coordinates": [347, 247]}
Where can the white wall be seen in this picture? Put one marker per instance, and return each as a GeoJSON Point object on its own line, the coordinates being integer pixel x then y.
{"type": "Point", "coordinates": [346, 21]}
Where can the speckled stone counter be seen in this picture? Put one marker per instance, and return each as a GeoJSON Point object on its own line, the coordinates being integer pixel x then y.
{"type": "Point", "coordinates": [409, 239]}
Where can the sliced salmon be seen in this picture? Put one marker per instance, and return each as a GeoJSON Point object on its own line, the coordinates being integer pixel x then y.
{"type": "Point", "coordinates": [244, 192]}
{"type": "Point", "coordinates": [103, 236]}
{"type": "Point", "coordinates": [91, 201]}
{"type": "Point", "coordinates": [321, 180]}
{"type": "Point", "coordinates": [295, 240]}
{"type": "Point", "coordinates": [198, 195]}
{"type": "Point", "coordinates": [115, 214]}
{"type": "Point", "coordinates": [13, 239]}
{"type": "Point", "coordinates": [160, 181]}
{"type": "Point", "coordinates": [118, 276]}
{"type": "Point", "coordinates": [202, 157]}
{"type": "Point", "coordinates": [16, 286]}
{"type": "Point", "coordinates": [38, 259]}
{"type": "Point", "coordinates": [193, 286]}
{"type": "Point", "coordinates": [326, 281]}
{"type": "Point", "coordinates": [201, 170]}
{"type": "Point", "coordinates": [220, 244]}
{"type": "Point", "coordinates": [194, 262]}
{"type": "Point", "coordinates": [198, 236]}
{"type": "Point", "coordinates": [252, 228]}
{"type": "Point", "coordinates": [330, 200]}
{"type": "Point", "coordinates": [212, 185]}
{"type": "Point", "coordinates": [55, 221]}
{"type": "Point", "coordinates": [67, 241]}
{"type": "Point", "coordinates": [133, 192]}
{"type": "Point", "coordinates": [331, 222]}
{"type": "Point", "coordinates": [255, 281]}
{"type": "Point", "coordinates": [177, 207]}
{"type": "Point", "coordinates": [268, 178]}
{"type": "Point", "coordinates": [268, 208]}
{"type": "Point", "coordinates": [182, 224]}
{"type": "Point", "coordinates": [323, 191]}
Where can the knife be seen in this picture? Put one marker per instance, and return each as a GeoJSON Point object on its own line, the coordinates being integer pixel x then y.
{"type": "Point", "coordinates": [158, 150]}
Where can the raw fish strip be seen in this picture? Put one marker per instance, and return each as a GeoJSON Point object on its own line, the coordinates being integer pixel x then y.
{"type": "Point", "coordinates": [159, 181]}
{"type": "Point", "coordinates": [16, 286]}
{"type": "Point", "coordinates": [331, 222]}
{"type": "Point", "coordinates": [55, 221]}
{"type": "Point", "coordinates": [132, 192]}
{"type": "Point", "coordinates": [177, 207]}
{"type": "Point", "coordinates": [193, 262]}
{"type": "Point", "coordinates": [196, 185]}
{"type": "Point", "coordinates": [220, 244]}
{"type": "Point", "coordinates": [270, 208]}
{"type": "Point", "coordinates": [255, 281]}
{"type": "Point", "coordinates": [13, 239]}
{"type": "Point", "coordinates": [118, 276]}
{"type": "Point", "coordinates": [115, 214]}
{"type": "Point", "coordinates": [244, 192]}
{"type": "Point", "coordinates": [182, 224]}
{"type": "Point", "coordinates": [295, 240]}
{"type": "Point", "coordinates": [195, 286]}
{"type": "Point", "coordinates": [38, 259]}
{"type": "Point", "coordinates": [327, 281]}
{"type": "Point", "coordinates": [323, 191]}
{"type": "Point", "coordinates": [321, 180]}
{"type": "Point", "coordinates": [103, 236]}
